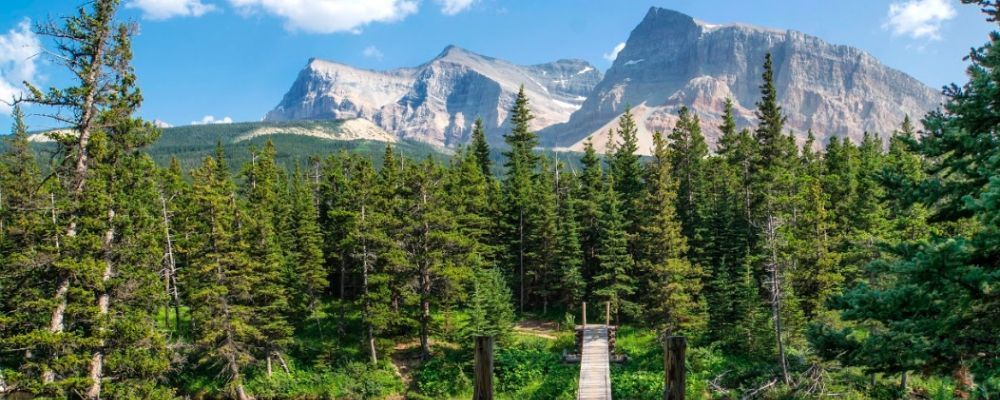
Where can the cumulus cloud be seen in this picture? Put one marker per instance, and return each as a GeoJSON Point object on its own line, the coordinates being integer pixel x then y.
{"type": "Point", "coordinates": [162, 124]}
{"type": "Point", "coordinates": [614, 52]}
{"type": "Point", "coordinates": [452, 7]}
{"type": "Point", "coordinates": [373, 52]}
{"type": "Point", "coordinates": [165, 9]}
{"type": "Point", "coordinates": [330, 16]}
{"type": "Point", "coordinates": [18, 48]}
{"type": "Point", "coordinates": [918, 19]}
{"type": "Point", "coordinates": [208, 120]}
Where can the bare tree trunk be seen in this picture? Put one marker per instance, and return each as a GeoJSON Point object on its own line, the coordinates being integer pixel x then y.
{"type": "Point", "coordinates": [103, 303]}
{"type": "Point", "coordinates": [281, 360]}
{"type": "Point", "coordinates": [269, 372]}
{"type": "Point", "coordinates": [364, 283]}
{"type": "Point", "coordinates": [171, 272]}
{"type": "Point", "coordinates": [774, 268]}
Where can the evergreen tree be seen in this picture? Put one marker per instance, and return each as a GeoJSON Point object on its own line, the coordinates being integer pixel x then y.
{"type": "Point", "coordinates": [542, 269]}
{"type": "Point", "coordinates": [588, 196]}
{"type": "Point", "coordinates": [309, 280]}
{"type": "Point", "coordinates": [624, 166]}
{"type": "Point", "coordinates": [221, 278]}
{"type": "Point", "coordinates": [490, 310]}
{"type": "Point", "coordinates": [929, 308]}
{"type": "Point", "coordinates": [569, 254]}
{"type": "Point", "coordinates": [673, 303]}
{"type": "Point", "coordinates": [480, 149]}
{"type": "Point", "coordinates": [688, 151]}
{"type": "Point", "coordinates": [521, 166]}
{"type": "Point", "coordinates": [261, 189]}
{"type": "Point", "coordinates": [612, 282]}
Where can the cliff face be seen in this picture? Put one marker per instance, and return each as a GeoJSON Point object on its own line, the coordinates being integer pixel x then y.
{"type": "Point", "coordinates": [672, 60]}
{"type": "Point", "coordinates": [438, 101]}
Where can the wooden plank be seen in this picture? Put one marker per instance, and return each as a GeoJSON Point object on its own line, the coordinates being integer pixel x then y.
{"type": "Point", "coordinates": [595, 375]}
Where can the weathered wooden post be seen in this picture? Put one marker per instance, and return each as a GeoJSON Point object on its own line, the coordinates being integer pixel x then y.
{"type": "Point", "coordinates": [607, 313]}
{"type": "Point", "coordinates": [673, 367]}
{"type": "Point", "coordinates": [584, 321]}
{"type": "Point", "coordinates": [483, 385]}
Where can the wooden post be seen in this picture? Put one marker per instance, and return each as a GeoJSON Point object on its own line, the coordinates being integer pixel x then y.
{"type": "Point", "coordinates": [584, 324]}
{"type": "Point", "coordinates": [483, 372]}
{"type": "Point", "coordinates": [673, 366]}
{"type": "Point", "coordinates": [607, 313]}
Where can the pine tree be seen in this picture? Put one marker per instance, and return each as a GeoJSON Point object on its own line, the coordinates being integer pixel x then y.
{"type": "Point", "coordinates": [261, 189]}
{"type": "Point", "coordinates": [521, 166]}
{"type": "Point", "coordinates": [542, 237]}
{"type": "Point", "coordinates": [688, 151]}
{"type": "Point", "coordinates": [480, 148]}
{"type": "Point", "coordinates": [435, 248]}
{"type": "Point", "coordinates": [624, 166]}
{"type": "Point", "coordinates": [309, 282]}
{"type": "Point", "coordinates": [222, 278]}
{"type": "Point", "coordinates": [588, 196]}
{"type": "Point", "coordinates": [929, 308]}
{"type": "Point", "coordinates": [569, 254]}
{"type": "Point", "coordinates": [673, 303]}
{"type": "Point", "coordinates": [612, 282]}
{"type": "Point", "coordinates": [490, 310]}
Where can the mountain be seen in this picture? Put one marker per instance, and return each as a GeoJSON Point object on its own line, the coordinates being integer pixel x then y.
{"type": "Point", "coordinates": [438, 101]}
{"type": "Point", "coordinates": [672, 60]}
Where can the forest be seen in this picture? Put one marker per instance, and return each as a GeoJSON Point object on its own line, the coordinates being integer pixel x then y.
{"type": "Point", "coordinates": [864, 270]}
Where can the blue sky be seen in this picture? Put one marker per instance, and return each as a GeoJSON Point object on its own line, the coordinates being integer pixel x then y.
{"type": "Point", "coordinates": [235, 58]}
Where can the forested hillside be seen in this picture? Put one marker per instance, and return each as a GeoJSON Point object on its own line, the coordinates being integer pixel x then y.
{"type": "Point", "coordinates": [867, 270]}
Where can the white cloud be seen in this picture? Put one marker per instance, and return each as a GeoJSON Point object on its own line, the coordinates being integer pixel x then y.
{"type": "Point", "coordinates": [373, 52]}
{"type": "Point", "coordinates": [208, 119]}
{"type": "Point", "coordinates": [162, 124]}
{"type": "Point", "coordinates": [330, 16]}
{"type": "Point", "coordinates": [918, 19]}
{"type": "Point", "coordinates": [614, 52]}
{"type": "Point", "coordinates": [165, 9]}
{"type": "Point", "coordinates": [18, 49]}
{"type": "Point", "coordinates": [452, 7]}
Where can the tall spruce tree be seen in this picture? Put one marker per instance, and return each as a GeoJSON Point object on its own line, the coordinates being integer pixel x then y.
{"type": "Point", "coordinates": [674, 303]}
{"type": "Point", "coordinates": [521, 167]}
{"type": "Point", "coordinates": [613, 282]}
{"type": "Point", "coordinates": [624, 166]}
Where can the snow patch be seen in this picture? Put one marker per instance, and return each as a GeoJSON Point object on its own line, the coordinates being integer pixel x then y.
{"type": "Point", "coordinates": [634, 62]}
{"type": "Point", "coordinates": [585, 70]}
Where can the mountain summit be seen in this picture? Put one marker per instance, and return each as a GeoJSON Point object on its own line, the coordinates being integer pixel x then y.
{"type": "Point", "coordinates": [672, 60]}
{"type": "Point", "coordinates": [438, 101]}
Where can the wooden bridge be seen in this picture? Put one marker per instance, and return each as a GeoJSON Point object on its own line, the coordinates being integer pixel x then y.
{"type": "Point", "coordinates": [595, 374]}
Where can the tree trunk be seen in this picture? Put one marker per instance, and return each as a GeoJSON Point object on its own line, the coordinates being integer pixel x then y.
{"type": "Point", "coordinates": [103, 303]}
{"type": "Point", "coordinates": [364, 284]}
{"type": "Point", "coordinates": [776, 294]}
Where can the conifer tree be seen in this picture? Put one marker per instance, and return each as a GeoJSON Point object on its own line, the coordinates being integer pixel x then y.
{"type": "Point", "coordinates": [521, 168]}
{"type": "Point", "coordinates": [688, 151]}
{"type": "Point", "coordinates": [542, 269]}
{"type": "Point", "coordinates": [222, 277]}
{"type": "Point", "coordinates": [480, 148]}
{"type": "Point", "coordinates": [569, 254]}
{"type": "Point", "coordinates": [674, 303]}
{"type": "Point", "coordinates": [588, 196]}
{"type": "Point", "coordinates": [624, 166]}
{"type": "Point", "coordinates": [310, 280]}
{"type": "Point", "coordinates": [490, 310]}
{"type": "Point", "coordinates": [612, 282]}
{"type": "Point", "coordinates": [261, 189]}
{"type": "Point", "coordinates": [930, 308]}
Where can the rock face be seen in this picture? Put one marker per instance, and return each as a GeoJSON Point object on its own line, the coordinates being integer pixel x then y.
{"type": "Point", "coordinates": [438, 101]}
{"type": "Point", "coordinates": [672, 60]}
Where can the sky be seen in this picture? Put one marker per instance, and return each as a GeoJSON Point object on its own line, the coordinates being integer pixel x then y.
{"type": "Point", "coordinates": [219, 61]}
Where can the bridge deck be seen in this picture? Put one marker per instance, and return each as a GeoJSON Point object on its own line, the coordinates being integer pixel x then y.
{"type": "Point", "coordinates": [595, 375]}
